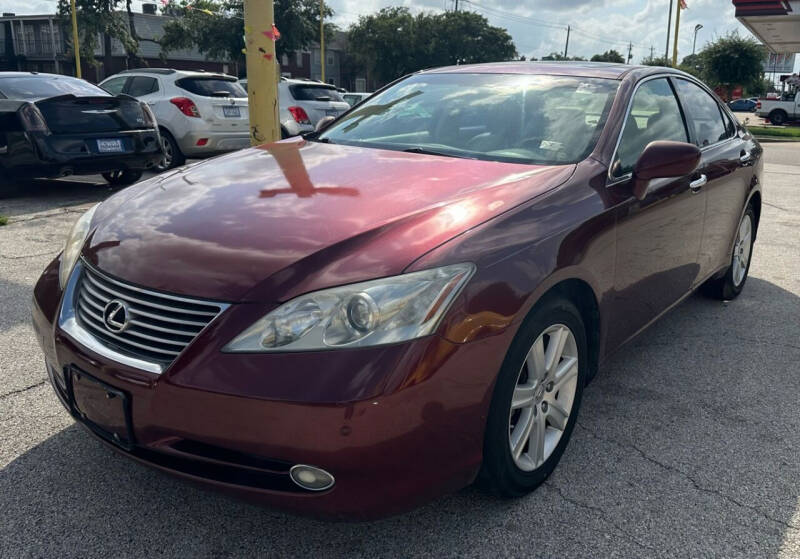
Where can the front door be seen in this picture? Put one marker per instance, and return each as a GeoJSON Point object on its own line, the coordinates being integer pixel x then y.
{"type": "Point", "coordinates": [658, 238]}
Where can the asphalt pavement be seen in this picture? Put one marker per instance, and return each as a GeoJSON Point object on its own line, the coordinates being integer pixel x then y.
{"type": "Point", "coordinates": [686, 446]}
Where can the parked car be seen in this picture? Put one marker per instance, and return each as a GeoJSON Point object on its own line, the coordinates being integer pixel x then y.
{"type": "Point", "coordinates": [352, 323]}
{"type": "Point", "coordinates": [742, 105]}
{"type": "Point", "coordinates": [354, 99]}
{"type": "Point", "coordinates": [780, 110]}
{"type": "Point", "coordinates": [200, 114]}
{"type": "Point", "coordinates": [55, 126]}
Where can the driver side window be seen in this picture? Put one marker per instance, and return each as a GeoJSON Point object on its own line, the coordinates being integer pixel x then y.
{"type": "Point", "coordinates": [654, 115]}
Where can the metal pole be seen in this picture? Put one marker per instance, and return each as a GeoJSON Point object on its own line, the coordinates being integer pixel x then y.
{"type": "Point", "coordinates": [669, 23]}
{"type": "Point", "coordinates": [566, 46]}
{"type": "Point", "coordinates": [75, 44]}
{"type": "Point", "coordinates": [322, 38]}
{"type": "Point", "coordinates": [262, 72]}
{"type": "Point", "coordinates": [677, 29]}
{"type": "Point", "coordinates": [630, 46]}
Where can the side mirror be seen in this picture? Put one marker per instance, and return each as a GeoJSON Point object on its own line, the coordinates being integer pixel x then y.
{"type": "Point", "coordinates": [323, 123]}
{"type": "Point", "coordinates": [663, 159]}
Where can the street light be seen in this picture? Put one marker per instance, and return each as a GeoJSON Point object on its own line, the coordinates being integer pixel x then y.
{"type": "Point", "coordinates": [697, 28]}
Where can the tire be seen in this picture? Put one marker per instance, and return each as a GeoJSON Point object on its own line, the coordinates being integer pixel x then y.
{"type": "Point", "coordinates": [778, 117]}
{"type": "Point", "coordinates": [502, 472]}
{"type": "Point", "coordinates": [732, 282]}
{"type": "Point", "coordinates": [122, 178]}
{"type": "Point", "coordinates": [173, 156]}
{"type": "Point", "coordinates": [284, 133]}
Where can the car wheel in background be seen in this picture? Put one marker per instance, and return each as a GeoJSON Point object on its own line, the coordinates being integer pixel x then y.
{"type": "Point", "coordinates": [536, 399]}
{"type": "Point", "coordinates": [173, 157]}
{"type": "Point", "coordinates": [731, 284]}
{"type": "Point", "coordinates": [778, 117]}
{"type": "Point", "coordinates": [122, 178]}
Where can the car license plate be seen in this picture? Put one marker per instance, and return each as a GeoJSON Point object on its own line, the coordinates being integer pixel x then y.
{"type": "Point", "coordinates": [110, 146]}
{"type": "Point", "coordinates": [231, 112]}
{"type": "Point", "coordinates": [103, 408]}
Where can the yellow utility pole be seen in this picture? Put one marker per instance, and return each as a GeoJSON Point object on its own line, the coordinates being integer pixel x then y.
{"type": "Point", "coordinates": [675, 43]}
{"type": "Point", "coordinates": [75, 45]}
{"type": "Point", "coordinates": [262, 71]}
{"type": "Point", "coordinates": [322, 37]}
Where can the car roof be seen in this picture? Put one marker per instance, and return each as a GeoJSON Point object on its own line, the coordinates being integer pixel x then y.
{"type": "Point", "coordinates": [34, 75]}
{"type": "Point", "coordinates": [172, 72]}
{"type": "Point", "coordinates": [607, 70]}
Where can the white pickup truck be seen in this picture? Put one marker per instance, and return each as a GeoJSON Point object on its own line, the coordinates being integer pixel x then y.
{"type": "Point", "coordinates": [779, 111]}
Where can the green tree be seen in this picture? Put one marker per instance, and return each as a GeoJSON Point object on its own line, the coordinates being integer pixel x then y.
{"type": "Point", "coordinates": [733, 60]}
{"type": "Point", "coordinates": [219, 34]}
{"type": "Point", "coordinates": [692, 64]}
{"type": "Point", "coordinates": [609, 56]}
{"type": "Point", "coordinates": [560, 57]}
{"type": "Point", "coordinates": [656, 61]}
{"type": "Point", "coordinates": [392, 42]}
{"type": "Point", "coordinates": [95, 18]}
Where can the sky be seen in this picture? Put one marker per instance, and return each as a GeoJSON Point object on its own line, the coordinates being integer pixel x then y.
{"type": "Point", "coordinates": [538, 27]}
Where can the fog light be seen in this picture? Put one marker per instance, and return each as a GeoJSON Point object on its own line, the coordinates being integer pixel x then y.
{"type": "Point", "coordinates": [311, 478]}
{"type": "Point", "coordinates": [202, 141]}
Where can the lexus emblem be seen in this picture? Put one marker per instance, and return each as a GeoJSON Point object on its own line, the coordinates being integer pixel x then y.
{"type": "Point", "coordinates": [115, 316]}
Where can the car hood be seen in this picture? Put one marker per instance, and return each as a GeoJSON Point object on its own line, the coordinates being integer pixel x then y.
{"type": "Point", "coordinates": [269, 223]}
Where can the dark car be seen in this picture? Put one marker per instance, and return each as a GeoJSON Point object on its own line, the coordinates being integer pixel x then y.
{"type": "Point", "coordinates": [54, 126]}
{"type": "Point", "coordinates": [742, 105]}
{"type": "Point", "coordinates": [352, 323]}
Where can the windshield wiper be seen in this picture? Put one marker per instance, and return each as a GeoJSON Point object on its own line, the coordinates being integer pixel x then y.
{"type": "Point", "coordinates": [426, 151]}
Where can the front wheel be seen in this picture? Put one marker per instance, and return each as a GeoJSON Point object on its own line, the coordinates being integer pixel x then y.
{"type": "Point", "coordinates": [536, 399]}
{"type": "Point", "coordinates": [122, 178]}
{"type": "Point", "coordinates": [731, 284]}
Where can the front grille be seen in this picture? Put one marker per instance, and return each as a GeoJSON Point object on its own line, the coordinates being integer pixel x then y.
{"type": "Point", "coordinates": [159, 326]}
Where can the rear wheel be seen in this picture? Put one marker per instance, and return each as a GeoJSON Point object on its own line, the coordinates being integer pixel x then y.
{"type": "Point", "coordinates": [778, 118]}
{"type": "Point", "coordinates": [122, 178]}
{"type": "Point", "coordinates": [173, 156]}
{"type": "Point", "coordinates": [731, 284]}
{"type": "Point", "coordinates": [536, 399]}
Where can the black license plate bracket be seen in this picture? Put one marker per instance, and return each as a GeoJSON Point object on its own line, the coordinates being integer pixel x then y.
{"type": "Point", "coordinates": [106, 410]}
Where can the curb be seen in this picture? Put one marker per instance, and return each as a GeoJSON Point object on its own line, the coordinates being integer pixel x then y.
{"type": "Point", "coordinates": [777, 139]}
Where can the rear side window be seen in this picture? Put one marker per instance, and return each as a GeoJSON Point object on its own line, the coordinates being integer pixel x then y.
{"type": "Point", "coordinates": [114, 85]}
{"type": "Point", "coordinates": [654, 115]}
{"type": "Point", "coordinates": [212, 87]}
{"type": "Point", "coordinates": [705, 116]}
{"type": "Point", "coordinates": [141, 85]}
{"type": "Point", "coordinates": [314, 93]}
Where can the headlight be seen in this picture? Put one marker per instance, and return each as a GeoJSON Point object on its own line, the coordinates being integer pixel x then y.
{"type": "Point", "coordinates": [375, 312]}
{"type": "Point", "coordinates": [75, 239]}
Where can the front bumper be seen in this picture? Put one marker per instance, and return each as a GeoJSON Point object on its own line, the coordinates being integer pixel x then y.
{"type": "Point", "coordinates": [396, 426]}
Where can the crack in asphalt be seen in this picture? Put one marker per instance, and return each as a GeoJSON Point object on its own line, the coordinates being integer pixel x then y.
{"type": "Point", "coordinates": [48, 253]}
{"type": "Point", "coordinates": [20, 390]}
{"type": "Point", "coordinates": [603, 516]}
{"type": "Point", "coordinates": [693, 481]}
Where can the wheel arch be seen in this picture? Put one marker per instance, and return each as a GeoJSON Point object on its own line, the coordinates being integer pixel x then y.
{"type": "Point", "coordinates": [581, 294]}
{"type": "Point", "coordinates": [755, 202]}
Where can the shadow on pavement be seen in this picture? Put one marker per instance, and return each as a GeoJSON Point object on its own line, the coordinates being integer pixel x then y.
{"type": "Point", "coordinates": [685, 446]}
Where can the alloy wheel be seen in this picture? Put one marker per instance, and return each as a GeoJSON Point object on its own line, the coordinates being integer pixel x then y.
{"type": "Point", "coordinates": [543, 397]}
{"type": "Point", "coordinates": [742, 249]}
{"type": "Point", "coordinates": [166, 161]}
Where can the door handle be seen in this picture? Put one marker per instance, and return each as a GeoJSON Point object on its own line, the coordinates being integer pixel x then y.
{"type": "Point", "coordinates": [744, 158]}
{"type": "Point", "coordinates": [697, 184]}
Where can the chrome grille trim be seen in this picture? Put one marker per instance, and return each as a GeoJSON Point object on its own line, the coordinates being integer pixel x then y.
{"type": "Point", "coordinates": [159, 328]}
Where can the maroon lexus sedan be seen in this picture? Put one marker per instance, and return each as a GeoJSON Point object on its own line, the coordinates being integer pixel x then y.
{"type": "Point", "coordinates": [352, 323]}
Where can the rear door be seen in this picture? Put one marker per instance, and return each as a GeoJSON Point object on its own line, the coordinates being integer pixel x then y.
{"type": "Point", "coordinates": [318, 100]}
{"type": "Point", "coordinates": [658, 238]}
{"type": "Point", "coordinates": [221, 101]}
{"type": "Point", "coordinates": [726, 166]}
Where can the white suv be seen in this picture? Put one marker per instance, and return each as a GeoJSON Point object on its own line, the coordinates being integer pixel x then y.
{"type": "Point", "coordinates": [302, 103]}
{"type": "Point", "coordinates": [199, 113]}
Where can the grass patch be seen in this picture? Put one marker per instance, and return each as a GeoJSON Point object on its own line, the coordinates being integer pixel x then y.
{"type": "Point", "coordinates": [793, 132]}
{"type": "Point", "coordinates": [3, 220]}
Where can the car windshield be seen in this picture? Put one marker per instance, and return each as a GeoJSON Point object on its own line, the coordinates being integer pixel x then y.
{"type": "Point", "coordinates": [539, 119]}
{"type": "Point", "coordinates": [39, 87]}
{"type": "Point", "coordinates": [212, 87]}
